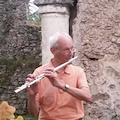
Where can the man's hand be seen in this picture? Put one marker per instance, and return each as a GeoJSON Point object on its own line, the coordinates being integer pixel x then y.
{"type": "Point", "coordinates": [33, 89]}
{"type": "Point", "coordinates": [52, 76]}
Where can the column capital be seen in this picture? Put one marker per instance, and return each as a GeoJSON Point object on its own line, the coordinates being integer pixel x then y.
{"type": "Point", "coordinates": [49, 9]}
{"type": "Point", "coordinates": [48, 2]}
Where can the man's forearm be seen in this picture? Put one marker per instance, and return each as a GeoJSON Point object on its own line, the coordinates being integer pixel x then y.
{"type": "Point", "coordinates": [33, 106]}
{"type": "Point", "coordinates": [82, 94]}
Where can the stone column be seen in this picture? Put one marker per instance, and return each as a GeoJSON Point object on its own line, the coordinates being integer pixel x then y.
{"type": "Point", "coordinates": [54, 18]}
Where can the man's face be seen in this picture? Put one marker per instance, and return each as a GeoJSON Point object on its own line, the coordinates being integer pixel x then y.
{"type": "Point", "coordinates": [65, 49]}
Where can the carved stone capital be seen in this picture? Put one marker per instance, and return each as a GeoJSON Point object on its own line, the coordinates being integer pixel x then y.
{"type": "Point", "coordinates": [54, 9]}
{"type": "Point", "coordinates": [48, 2]}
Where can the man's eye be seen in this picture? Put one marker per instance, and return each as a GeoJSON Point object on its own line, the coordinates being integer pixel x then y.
{"type": "Point", "coordinates": [67, 49]}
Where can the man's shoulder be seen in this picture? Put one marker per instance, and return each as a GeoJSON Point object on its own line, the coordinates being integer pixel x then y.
{"type": "Point", "coordinates": [76, 68]}
{"type": "Point", "coordinates": [39, 70]}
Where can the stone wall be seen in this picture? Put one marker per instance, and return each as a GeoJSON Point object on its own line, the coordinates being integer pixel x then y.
{"type": "Point", "coordinates": [96, 32]}
{"type": "Point", "coordinates": [20, 51]}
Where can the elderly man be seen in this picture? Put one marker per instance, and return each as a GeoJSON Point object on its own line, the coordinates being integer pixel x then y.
{"type": "Point", "coordinates": [59, 95]}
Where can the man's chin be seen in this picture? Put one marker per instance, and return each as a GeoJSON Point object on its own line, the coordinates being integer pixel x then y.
{"type": "Point", "coordinates": [68, 58]}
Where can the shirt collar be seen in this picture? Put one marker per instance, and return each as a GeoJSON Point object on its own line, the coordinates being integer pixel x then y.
{"type": "Point", "coordinates": [50, 63]}
{"type": "Point", "coordinates": [67, 69]}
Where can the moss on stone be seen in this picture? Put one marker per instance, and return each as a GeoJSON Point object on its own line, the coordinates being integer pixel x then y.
{"type": "Point", "coordinates": [11, 65]}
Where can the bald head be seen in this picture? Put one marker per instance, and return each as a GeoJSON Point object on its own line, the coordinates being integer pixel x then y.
{"type": "Point", "coordinates": [58, 38]}
{"type": "Point", "coordinates": [62, 47]}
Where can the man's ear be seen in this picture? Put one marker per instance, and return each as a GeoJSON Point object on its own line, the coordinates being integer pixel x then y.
{"type": "Point", "coordinates": [52, 49]}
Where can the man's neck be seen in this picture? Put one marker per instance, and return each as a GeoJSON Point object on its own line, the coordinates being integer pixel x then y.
{"type": "Point", "coordinates": [56, 63]}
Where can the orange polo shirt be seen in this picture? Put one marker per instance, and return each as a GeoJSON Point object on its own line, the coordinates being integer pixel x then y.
{"type": "Point", "coordinates": [55, 104]}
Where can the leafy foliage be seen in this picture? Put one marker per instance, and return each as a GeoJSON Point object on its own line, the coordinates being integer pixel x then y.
{"type": "Point", "coordinates": [35, 19]}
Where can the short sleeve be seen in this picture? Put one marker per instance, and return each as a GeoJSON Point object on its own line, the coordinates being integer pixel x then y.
{"type": "Point", "coordinates": [82, 82]}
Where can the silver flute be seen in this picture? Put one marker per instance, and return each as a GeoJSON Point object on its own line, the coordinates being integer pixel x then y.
{"type": "Point", "coordinates": [38, 78]}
